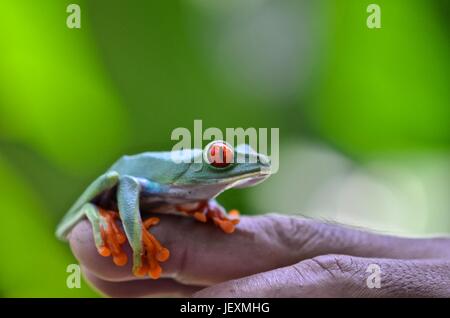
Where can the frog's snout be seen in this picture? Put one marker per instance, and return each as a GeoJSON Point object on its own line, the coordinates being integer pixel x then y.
{"type": "Point", "coordinates": [263, 160]}
{"type": "Point", "coordinates": [264, 165]}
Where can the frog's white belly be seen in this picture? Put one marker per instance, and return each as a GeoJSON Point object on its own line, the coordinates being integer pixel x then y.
{"type": "Point", "coordinates": [152, 204]}
{"type": "Point", "coordinates": [159, 205]}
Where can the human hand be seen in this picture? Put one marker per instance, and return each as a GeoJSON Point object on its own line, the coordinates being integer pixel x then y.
{"type": "Point", "coordinates": [274, 256]}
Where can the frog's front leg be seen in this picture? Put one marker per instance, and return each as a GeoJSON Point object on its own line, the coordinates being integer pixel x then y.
{"type": "Point", "coordinates": [147, 251]}
{"type": "Point", "coordinates": [211, 210]}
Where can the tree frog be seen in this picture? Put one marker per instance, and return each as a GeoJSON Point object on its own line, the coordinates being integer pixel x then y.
{"type": "Point", "coordinates": [136, 186]}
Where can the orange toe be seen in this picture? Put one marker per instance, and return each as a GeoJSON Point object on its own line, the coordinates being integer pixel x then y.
{"type": "Point", "coordinates": [141, 271]}
{"type": "Point", "coordinates": [155, 271]}
{"type": "Point", "coordinates": [150, 222]}
{"type": "Point", "coordinates": [226, 225]}
{"type": "Point", "coordinates": [104, 251]}
{"type": "Point", "coordinates": [235, 221]}
{"type": "Point", "coordinates": [163, 255]}
{"type": "Point", "coordinates": [120, 259]}
{"type": "Point", "coordinates": [200, 216]}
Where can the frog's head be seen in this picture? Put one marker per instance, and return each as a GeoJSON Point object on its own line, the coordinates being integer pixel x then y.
{"type": "Point", "coordinates": [220, 167]}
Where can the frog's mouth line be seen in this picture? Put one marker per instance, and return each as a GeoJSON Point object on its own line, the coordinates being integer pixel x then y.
{"type": "Point", "coordinates": [249, 179]}
{"type": "Point", "coordinates": [256, 175]}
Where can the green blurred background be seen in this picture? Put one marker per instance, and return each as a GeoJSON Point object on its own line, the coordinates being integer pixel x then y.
{"type": "Point", "coordinates": [363, 114]}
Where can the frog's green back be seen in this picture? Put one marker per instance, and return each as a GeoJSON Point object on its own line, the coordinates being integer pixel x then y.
{"type": "Point", "coordinates": [178, 169]}
{"type": "Point", "coordinates": [156, 166]}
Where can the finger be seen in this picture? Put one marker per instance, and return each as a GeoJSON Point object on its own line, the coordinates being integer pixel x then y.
{"type": "Point", "coordinates": [201, 254]}
{"type": "Point", "coordinates": [164, 287]}
{"type": "Point", "coordinates": [321, 238]}
{"type": "Point", "coordinates": [83, 247]}
{"type": "Point", "coordinates": [342, 276]}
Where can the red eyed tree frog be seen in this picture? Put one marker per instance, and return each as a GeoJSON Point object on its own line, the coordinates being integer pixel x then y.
{"type": "Point", "coordinates": [136, 186]}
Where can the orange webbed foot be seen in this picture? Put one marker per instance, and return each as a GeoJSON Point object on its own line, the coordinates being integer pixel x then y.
{"type": "Point", "coordinates": [225, 221]}
{"type": "Point", "coordinates": [206, 210]}
{"type": "Point", "coordinates": [153, 252]}
{"type": "Point", "coordinates": [113, 238]}
{"type": "Point", "coordinates": [228, 225]}
{"type": "Point", "coordinates": [200, 216]}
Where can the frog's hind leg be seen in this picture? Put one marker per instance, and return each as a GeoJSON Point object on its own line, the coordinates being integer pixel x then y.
{"type": "Point", "coordinates": [147, 251]}
{"type": "Point", "coordinates": [103, 183]}
{"type": "Point", "coordinates": [108, 237]}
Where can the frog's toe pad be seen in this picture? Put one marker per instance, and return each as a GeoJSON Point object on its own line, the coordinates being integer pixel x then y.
{"type": "Point", "coordinates": [153, 252]}
{"type": "Point", "coordinates": [226, 225]}
{"type": "Point", "coordinates": [227, 222]}
{"type": "Point", "coordinates": [113, 238]}
{"type": "Point", "coordinates": [200, 216]}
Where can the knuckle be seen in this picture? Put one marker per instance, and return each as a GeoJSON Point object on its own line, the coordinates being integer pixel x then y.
{"type": "Point", "coordinates": [337, 266]}
{"type": "Point", "coordinates": [295, 232]}
{"type": "Point", "coordinates": [326, 275]}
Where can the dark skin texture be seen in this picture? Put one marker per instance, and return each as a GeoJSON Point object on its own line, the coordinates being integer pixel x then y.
{"type": "Point", "coordinates": [273, 256]}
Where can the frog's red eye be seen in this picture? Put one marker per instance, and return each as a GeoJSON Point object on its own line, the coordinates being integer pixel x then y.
{"type": "Point", "coordinates": [220, 155]}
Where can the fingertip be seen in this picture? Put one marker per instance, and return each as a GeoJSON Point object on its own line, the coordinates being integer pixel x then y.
{"type": "Point", "coordinates": [83, 247]}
